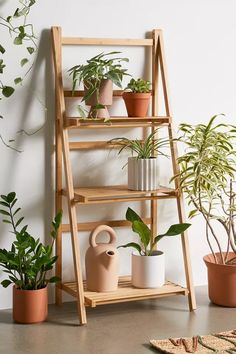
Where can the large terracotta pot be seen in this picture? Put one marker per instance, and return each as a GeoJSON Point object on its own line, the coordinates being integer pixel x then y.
{"type": "Point", "coordinates": [221, 281]}
{"type": "Point", "coordinates": [30, 306]}
{"type": "Point", "coordinates": [142, 174]}
{"type": "Point", "coordinates": [137, 103]}
{"type": "Point", "coordinates": [101, 262]}
{"type": "Point", "coordinates": [148, 271]}
{"type": "Point", "coordinates": [104, 97]}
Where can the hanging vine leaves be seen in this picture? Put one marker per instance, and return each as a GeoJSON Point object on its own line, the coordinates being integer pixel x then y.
{"type": "Point", "coordinates": [21, 33]}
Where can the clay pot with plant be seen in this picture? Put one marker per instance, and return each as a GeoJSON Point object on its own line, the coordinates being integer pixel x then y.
{"type": "Point", "coordinates": [143, 168]}
{"type": "Point", "coordinates": [148, 264]}
{"type": "Point", "coordinates": [137, 97]}
{"type": "Point", "coordinates": [27, 265]}
{"type": "Point", "coordinates": [207, 177]}
{"type": "Point", "coordinates": [98, 77]}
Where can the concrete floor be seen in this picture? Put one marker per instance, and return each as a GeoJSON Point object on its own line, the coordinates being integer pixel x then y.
{"type": "Point", "coordinates": [124, 328]}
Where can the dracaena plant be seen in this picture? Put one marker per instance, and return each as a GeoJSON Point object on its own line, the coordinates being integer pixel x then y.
{"type": "Point", "coordinates": [28, 261]}
{"type": "Point", "coordinates": [147, 243]}
{"type": "Point", "coordinates": [207, 175]}
{"type": "Point", "coordinates": [100, 67]}
{"type": "Point", "coordinates": [145, 149]}
{"type": "Point", "coordinates": [139, 86]}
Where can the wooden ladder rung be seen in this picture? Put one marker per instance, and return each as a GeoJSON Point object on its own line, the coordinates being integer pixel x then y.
{"type": "Point", "coordinates": [106, 41]}
{"type": "Point", "coordinates": [90, 225]}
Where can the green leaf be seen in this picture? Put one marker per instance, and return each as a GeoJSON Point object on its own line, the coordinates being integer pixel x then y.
{"type": "Point", "coordinates": [2, 50]}
{"type": "Point", "coordinates": [30, 50]}
{"type": "Point", "coordinates": [18, 40]}
{"type": "Point", "coordinates": [17, 80]}
{"type": "Point", "coordinates": [174, 230]}
{"type": "Point", "coordinates": [19, 221]}
{"type": "Point", "coordinates": [132, 245]}
{"type": "Point", "coordinates": [143, 231]}
{"type": "Point", "coordinates": [54, 279]}
{"type": "Point", "coordinates": [131, 215]}
{"type": "Point", "coordinates": [7, 91]}
{"type": "Point", "coordinates": [8, 19]}
{"type": "Point", "coordinates": [5, 283]}
{"type": "Point", "coordinates": [11, 196]}
{"type": "Point", "coordinates": [192, 213]}
{"type": "Point", "coordinates": [4, 212]}
{"type": "Point", "coordinates": [23, 61]}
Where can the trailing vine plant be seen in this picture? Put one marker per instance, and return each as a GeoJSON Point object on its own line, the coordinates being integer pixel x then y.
{"type": "Point", "coordinates": [22, 34]}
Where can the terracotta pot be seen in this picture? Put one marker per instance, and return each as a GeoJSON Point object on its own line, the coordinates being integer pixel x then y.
{"type": "Point", "coordinates": [101, 262]}
{"type": "Point", "coordinates": [30, 306]}
{"type": "Point", "coordinates": [142, 174]}
{"type": "Point", "coordinates": [137, 103]}
{"type": "Point", "coordinates": [104, 97]}
{"type": "Point", "coordinates": [221, 281]}
{"type": "Point", "coordinates": [148, 271]}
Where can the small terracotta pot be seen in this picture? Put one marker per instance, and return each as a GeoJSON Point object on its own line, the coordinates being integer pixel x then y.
{"type": "Point", "coordinates": [104, 97]}
{"type": "Point", "coordinates": [137, 103]}
{"type": "Point", "coordinates": [221, 281]}
{"type": "Point", "coordinates": [30, 306]}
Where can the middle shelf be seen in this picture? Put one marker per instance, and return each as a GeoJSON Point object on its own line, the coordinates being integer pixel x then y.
{"type": "Point", "coordinates": [113, 194]}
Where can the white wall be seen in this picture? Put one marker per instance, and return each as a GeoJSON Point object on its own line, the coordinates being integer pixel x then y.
{"type": "Point", "coordinates": [201, 55]}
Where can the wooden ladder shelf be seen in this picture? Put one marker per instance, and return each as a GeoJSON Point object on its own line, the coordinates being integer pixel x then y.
{"type": "Point", "coordinates": [111, 194]}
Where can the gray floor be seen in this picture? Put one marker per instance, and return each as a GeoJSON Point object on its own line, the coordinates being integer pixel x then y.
{"type": "Point", "coordinates": [124, 328]}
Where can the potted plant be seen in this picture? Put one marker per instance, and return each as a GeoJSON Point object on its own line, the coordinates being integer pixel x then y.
{"type": "Point", "coordinates": [98, 75]}
{"type": "Point", "coordinates": [142, 169]}
{"type": "Point", "coordinates": [27, 264]}
{"type": "Point", "coordinates": [207, 176]}
{"type": "Point", "coordinates": [137, 97]}
{"type": "Point", "coordinates": [148, 264]}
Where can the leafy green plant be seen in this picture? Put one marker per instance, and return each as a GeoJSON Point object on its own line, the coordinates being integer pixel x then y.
{"type": "Point", "coordinates": [147, 243]}
{"type": "Point", "coordinates": [139, 86]}
{"type": "Point", "coordinates": [143, 149]}
{"type": "Point", "coordinates": [100, 67]}
{"type": "Point", "coordinates": [23, 34]}
{"type": "Point", "coordinates": [28, 261]}
{"type": "Point", "coordinates": [207, 175]}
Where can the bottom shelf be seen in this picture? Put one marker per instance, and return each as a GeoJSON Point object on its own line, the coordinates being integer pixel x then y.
{"type": "Point", "coordinates": [125, 292]}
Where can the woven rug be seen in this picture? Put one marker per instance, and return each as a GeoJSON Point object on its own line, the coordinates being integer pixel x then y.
{"type": "Point", "coordinates": [220, 343]}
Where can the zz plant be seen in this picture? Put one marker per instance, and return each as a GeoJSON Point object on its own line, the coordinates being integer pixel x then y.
{"type": "Point", "coordinates": [147, 243]}
{"type": "Point", "coordinates": [28, 262]}
{"type": "Point", "coordinates": [207, 176]}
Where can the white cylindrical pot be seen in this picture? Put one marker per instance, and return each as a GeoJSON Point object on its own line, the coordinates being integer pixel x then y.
{"type": "Point", "coordinates": [142, 174]}
{"type": "Point", "coordinates": [148, 271]}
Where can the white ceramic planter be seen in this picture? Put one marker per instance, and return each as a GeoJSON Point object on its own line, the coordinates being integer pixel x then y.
{"type": "Point", "coordinates": [142, 174]}
{"type": "Point", "coordinates": [148, 271]}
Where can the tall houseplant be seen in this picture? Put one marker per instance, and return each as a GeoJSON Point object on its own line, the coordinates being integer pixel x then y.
{"type": "Point", "coordinates": [148, 267]}
{"type": "Point", "coordinates": [27, 264]}
{"type": "Point", "coordinates": [98, 75]}
{"type": "Point", "coordinates": [207, 176]}
{"type": "Point", "coordinates": [142, 169]}
{"type": "Point", "coordinates": [137, 97]}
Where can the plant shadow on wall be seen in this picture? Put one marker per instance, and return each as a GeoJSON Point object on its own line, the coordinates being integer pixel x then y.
{"type": "Point", "coordinates": [207, 176]}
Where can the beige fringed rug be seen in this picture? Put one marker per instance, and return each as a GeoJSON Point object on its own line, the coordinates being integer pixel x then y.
{"type": "Point", "coordinates": [219, 343]}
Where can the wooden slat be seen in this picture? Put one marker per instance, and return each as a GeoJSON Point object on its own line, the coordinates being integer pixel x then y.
{"type": "Point", "coordinates": [90, 225]}
{"type": "Point", "coordinates": [80, 93]}
{"type": "Point", "coordinates": [80, 145]}
{"type": "Point", "coordinates": [115, 122]}
{"type": "Point", "coordinates": [106, 41]}
{"type": "Point", "coordinates": [125, 292]}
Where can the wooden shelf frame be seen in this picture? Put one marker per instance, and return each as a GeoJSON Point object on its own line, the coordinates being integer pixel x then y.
{"type": "Point", "coordinates": [111, 194]}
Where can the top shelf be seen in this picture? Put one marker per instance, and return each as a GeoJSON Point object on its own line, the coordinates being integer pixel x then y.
{"type": "Point", "coordinates": [116, 122]}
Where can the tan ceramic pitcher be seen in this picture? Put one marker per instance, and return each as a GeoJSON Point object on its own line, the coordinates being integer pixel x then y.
{"type": "Point", "coordinates": [101, 262]}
